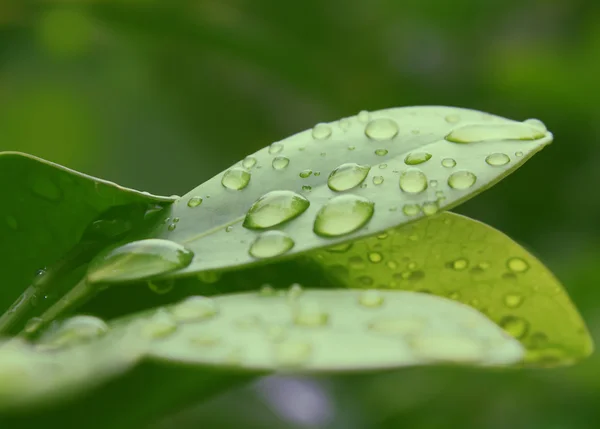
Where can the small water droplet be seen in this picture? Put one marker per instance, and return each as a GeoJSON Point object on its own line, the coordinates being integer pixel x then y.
{"type": "Point", "coordinates": [351, 147]}
{"type": "Point", "coordinates": [161, 287]}
{"type": "Point", "coordinates": [452, 119]}
{"type": "Point", "coordinates": [235, 179]}
{"type": "Point", "coordinates": [448, 163]}
{"type": "Point", "coordinates": [321, 132]}
{"type": "Point", "coordinates": [382, 166]}
{"type": "Point", "coordinates": [275, 148]}
{"type": "Point", "coordinates": [371, 298]}
{"type": "Point", "coordinates": [459, 264]}
{"type": "Point", "coordinates": [381, 152]}
{"type": "Point", "coordinates": [396, 326]}
{"type": "Point", "coordinates": [519, 154]}
{"type": "Point", "coordinates": [513, 300]}
{"type": "Point", "coordinates": [270, 244]}
{"type": "Point", "coordinates": [294, 292]}
{"type": "Point", "coordinates": [306, 188]}
{"type": "Point", "coordinates": [194, 202]}
{"type": "Point", "coordinates": [517, 265]}
{"type": "Point", "coordinates": [347, 176]}
{"type": "Point", "coordinates": [172, 227]}
{"type": "Point", "coordinates": [377, 180]}
{"type": "Point", "coordinates": [317, 173]}
{"type": "Point", "coordinates": [515, 326]}
{"type": "Point", "coordinates": [291, 354]}
{"type": "Point", "coordinates": [340, 248]}
{"type": "Point", "coordinates": [344, 124]}
{"type": "Point", "coordinates": [375, 257]}
{"type": "Point", "coordinates": [249, 162]}
{"type": "Point", "coordinates": [363, 116]}
{"type": "Point", "coordinates": [381, 129]}
{"type": "Point", "coordinates": [461, 180]}
{"type": "Point", "coordinates": [430, 208]}
{"type": "Point", "coordinates": [417, 158]}
{"type": "Point", "coordinates": [280, 162]}
{"type": "Point", "coordinates": [494, 132]}
{"type": "Point", "coordinates": [138, 260]}
{"type": "Point", "coordinates": [275, 208]}
{"type": "Point", "coordinates": [309, 314]}
{"type": "Point", "coordinates": [343, 215]}
{"type": "Point", "coordinates": [209, 277]}
{"type": "Point", "coordinates": [497, 159]}
{"type": "Point", "coordinates": [194, 308]}
{"type": "Point", "coordinates": [305, 173]}
{"type": "Point", "coordinates": [160, 325]}
{"type": "Point", "coordinates": [411, 209]}
{"type": "Point", "coordinates": [413, 181]}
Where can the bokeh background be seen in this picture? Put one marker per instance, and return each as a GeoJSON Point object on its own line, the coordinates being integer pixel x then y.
{"type": "Point", "coordinates": [161, 95]}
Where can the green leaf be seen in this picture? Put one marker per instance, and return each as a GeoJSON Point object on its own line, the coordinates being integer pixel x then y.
{"type": "Point", "coordinates": [257, 333]}
{"type": "Point", "coordinates": [346, 180]}
{"type": "Point", "coordinates": [456, 257]}
{"type": "Point", "coordinates": [55, 217]}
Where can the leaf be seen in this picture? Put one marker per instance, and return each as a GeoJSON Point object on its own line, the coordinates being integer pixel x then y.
{"type": "Point", "coordinates": [456, 257]}
{"type": "Point", "coordinates": [47, 210]}
{"type": "Point", "coordinates": [256, 333]}
{"type": "Point", "coordinates": [387, 167]}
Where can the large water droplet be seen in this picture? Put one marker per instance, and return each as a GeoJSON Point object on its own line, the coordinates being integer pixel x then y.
{"type": "Point", "coordinates": [413, 181]}
{"type": "Point", "coordinates": [235, 179]}
{"type": "Point", "coordinates": [274, 208]}
{"type": "Point", "coordinates": [347, 176]}
{"type": "Point", "coordinates": [194, 202]}
{"type": "Point", "coordinates": [321, 132]}
{"type": "Point", "coordinates": [461, 180]}
{"type": "Point", "coordinates": [161, 287]}
{"type": "Point", "coordinates": [517, 265]}
{"type": "Point", "coordinates": [381, 129]}
{"type": "Point", "coordinates": [194, 309]}
{"type": "Point", "coordinates": [249, 162]}
{"type": "Point", "coordinates": [75, 330]}
{"type": "Point", "coordinates": [280, 162]}
{"type": "Point", "coordinates": [343, 215]}
{"type": "Point", "coordinates": [138, 260]}
{"type": "Point", "coordinates": [515, 326]}
{"type": "Point", "coordinates": [494, 132]}
{"type": "Point", "coordinates": [497, 159]}
{"type": "Point", "coordinates": [270, 244]}
{"type": "Point", "coordinates": [417, 158]}
{"type": "Point", "coordinates": [448, 162]}
{"type": "Point", "coordinates": [370, 298]}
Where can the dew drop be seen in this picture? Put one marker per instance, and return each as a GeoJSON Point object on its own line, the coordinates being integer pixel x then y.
{"type": "Point", "coordinates": [194, 308]}
{"type": "Point", "coordinates": [275, 208]}
{"type": "Point", "coordinates": [377, 180]}
{"type": "Point", "coordinates": [513, 300]}
{"type": "Point", "coordinates": [461, 180]}
{"type": "Point", "coordinates": [160, 325]}
{"type": "Point", "coordinates": [381, 152]}
{"type": "Point", "coordinates": [519, 154]}
{"type": "Point", "coordinates": [310, 315]}
{"type": "Point", "coordinates": [161, 287]}
{"type": "Point", "coordinates": [417, 158]}
{"type": "Point", "coordinates": [494, 132]}
{"type": "Point", "coordinates": [75, 330]}
{"type": "Point", "coordinates": [411, 209]}
{"type": "Point", "coordinates": [430, 208]}
{"type": "Point", "coordinates": [267, 290]}
{"type": "Point", "coordinates": [448, 163]}
{"type": "Point", "coordinates": [340, 248]}
{"type": "Point", "coordinates": [280, 162]}
{"type": "Point", "coordinates": [235, 179]}
{"type": "Point", "coordinates": [536, 123]}
{"type": "Point", "coordinates": [321, 132]}
{"type": "Point", "coordinates": [452, 119]}
{"type": "Point", "coordinates": [138, 260]}
{"type": "Point", "coordinates": [459, 264]}
{"type": "Point", "coordinates": [249, 162]}
{"type": "Point", "coordinates": [209, 277]}
{"type": "Point", "coordinates": [363, 116]}
{"type": "Point", "coordinates": [294, 292]}
{"type": "Point", "coordinates": [370, 298]}
{"type": "Point", "coordinates": [172, 227]}
{"type": "Point", "coordinates": [275, 148]}
{"type": "Point", "coordinates": [382, 166]}
{"type": "Point", "coordinates": [517, 265]}
{"type": "Point", "coordinates": [413, 181]}
{"type": "Point", "coordinates": [194, 202]}
{"type": "Point", "coordinates": [270, 244]}
{"type": "Point", "coordinates": [381, 129]}
{"type": "Point", "coordinates": [291, 354]}
{"type": "Point", "coordinates": [347, 176]}
{"type": "Point", "coordinates": [375, 257]}
{"type": "Point", "coordinates": [306, 188]}
{"type": "Point", "coordinates": [515, 326]}
{"type": "Point", "coordinates": [305, 173]}
{"type": "Point", "coordinates": [343, 215]}
{"type": "Point", "coordinates": [497, 159]}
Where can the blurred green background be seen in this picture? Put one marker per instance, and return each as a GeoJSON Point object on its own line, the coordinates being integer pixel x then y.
{"type": "Point", "coordinates": [162, 95]}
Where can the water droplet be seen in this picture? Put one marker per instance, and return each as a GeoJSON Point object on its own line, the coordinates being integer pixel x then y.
{"type": "Point", "coordinates": [275, 148]}
{"type": "Point", "coordinates": [351, 147]}
{"type": "Point", "coordinates": [317, 173]}
{"type": "Point", "coordinates": [275, 208]}
{"type": "Point", "coordinates": [536, 123]}
{"type": "Point", "coordinates": [138, 260]}
{"type": "Point", "coordinates": [392, 265]}
{"type": "Point", "coordinates": [459, 264]}
{"type": "Point", "coordinates": [448, 163]}
{"type": "Point", "coordinates": [515, 326]}
{"type": "Point", "coordinates": [343, 215]}
{"type": "Point", "coordinates": [377, 180]}
{"type": "Point", "coordinates": [321, 132]}
{"type": "Point", "coordinates": [194, 308]}
{"type": "Point", "coordinates": [306, 188]}
{"type": "Point", "coordinates": [375, 257]}
{"type": "Point", "coordinates": [172, 227]}
{"type": "Point", "coordinates": [347, 176]}
{"type": "Point", "coordinates": [417, 158]}
{"type": "Point", "coordinates": [280, 162]}
{"type": "Point", "coordinates": [209, 277]}
{"type": "Point", "coordinates": [75, 330]}
{"type": "Point", "coordinates": [448, 348]}
{"type": "Point", "coordinates": [249, 162]}
{"type": "Point", "coordinates": [371, 298]}
{"type": "Point", "coordinates": [461, 180]}
{"type": "Point", "coordinates": [452, 119]}
{"type": "Point", "coordinates": [517, 265]}
{"type": "Point", "coordinates": [382, 166]}
{"type": "Point", "coordinates": [161, 287]}
{"type": "Point", "coordinates": [413, 181]}
{"type": "Point", "coordinates": [160, 325]}
{"type": "Point", "coordinates": [340, 248]}
{"type": "Point", "coordinates": [194, 202]}
{"type": "Point", "coordinates": [396, 326]}
{"type": "Point", "coordinates": [309, 314]}
{"type": "Point", "coordinates": [381, 129]}
{"type": "Point", "coordinates": [294, 292]}
{"type": "Point", "coordinates": [270, 244]}
{"type": "Point", "coordinates": [290, 354]}
{"type": "Point", "coordinates": [45, 188]}
{"type": "Point", "coordinates": [381, 152]}
{"type": "Point", "coordinates": [229, 228]}
{"type": "Point", "coordinates": [267, 290]}
{"type": "Point", "coordinates": [411, 209]}
{"type": "Point", "coordinates": [497, 159]}
{"type": "Point", "coordinates": [344, 124]}
{"type": "Point", "coordinates": [430, 208]}
{"type": "Point", "coordinates": [305, 173]}
{"type": "Point", "coordinates": [363, 116]}
{"type": "Point", "coordinates": [513, 300]}
{"type": "Point", "coordinates": [494, 132]}
{"type": "Point", "coordinates": [433, 183]}
{"type": "Point", "coordinates": [519, 154]}
{"type": "Point", "coordinates": [235, 179]}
